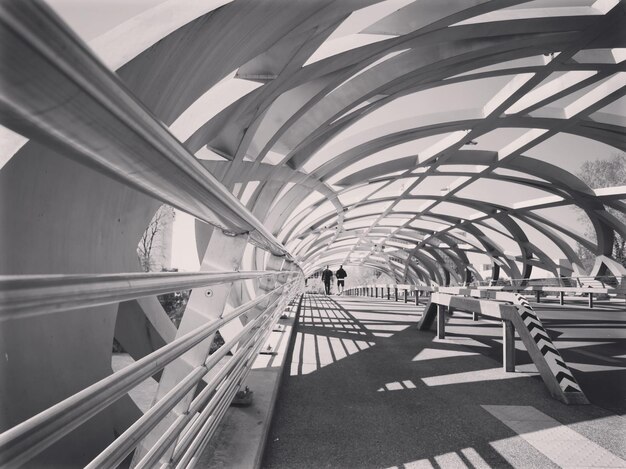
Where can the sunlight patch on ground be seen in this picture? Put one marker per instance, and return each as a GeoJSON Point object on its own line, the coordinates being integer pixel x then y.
{"type": "Point", "coordinates": [397, 386]}
{"type": "Point", "coordinates": [432, 354]}
{"type": "Point", "coordinates": [312, 352]}
{"type": "Point", "coordinates": [559, 443]}
{"type": "Point", "coordinates": [491, 374]}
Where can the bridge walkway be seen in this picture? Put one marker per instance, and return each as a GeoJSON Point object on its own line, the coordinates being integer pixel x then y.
{"type": "Point", "coordinates": [366, 389]}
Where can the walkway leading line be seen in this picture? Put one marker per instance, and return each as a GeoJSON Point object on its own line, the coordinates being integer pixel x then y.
{"type": "Point", "coordinates": [367, 389]}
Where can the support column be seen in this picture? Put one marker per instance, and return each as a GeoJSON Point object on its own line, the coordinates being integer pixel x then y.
{"type": "Point", "coordinates": [508, 346]}
{"type": "Point", "coordinates": [206, 305]}
{"type": "Point", "coordinates": [441, 322]}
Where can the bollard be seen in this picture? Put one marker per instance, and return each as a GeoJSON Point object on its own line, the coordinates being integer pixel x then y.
{"type": "Point", "coordinates": [417, 298]}
{"type": "Point", "coordinates": [590, 300]}
{"type": "Point", "coordinates": [376, 288]}
{"type": "Point", "coordinates": [508, 346]}
{"type": "Point", "coordinates": [388, 293]}
{"type": "Point", "coordinates": [406, 295]}
{"type": "Point", "coordinates": [474, 316]}
{"type": "Point", "coordinates": [396, 292]}
{"type": "Point", "coordinates": [561, 298]}
{"type": "Point", "coordinates": [441, 322]}
{"type": "Point", "coordinates": [538, 296]}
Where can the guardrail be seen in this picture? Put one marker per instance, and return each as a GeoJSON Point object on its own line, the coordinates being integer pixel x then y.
{"type": "Point", "coordinates": [590, 291]}
{"type": "Point", "coordinates": [122, 139]}
{"type": "Point", "coordinates": [23, 442]}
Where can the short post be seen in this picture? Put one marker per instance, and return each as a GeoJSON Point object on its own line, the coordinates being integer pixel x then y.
{"type": "Point", "coordinates": [388, 293]}
{"type": "Point", "coordinates": [561, 298]}
{"type": "Point", "coordinates": [474, 316]}
{"type": "Point", "coordinates": [508, 346]}
{"type": "Point", "coordinates": [406, 295]}
{"type": "Point", "coordinates": [396, 292]}
{"type": "Point", "coordinates": [441, 322]}
{"type": "Point", "coordinates": [376, 290]}
{"type": "Point", "coordinates": [417, 298]}
{"type": "Point", "coordinates": [590, 300]}
{"type": "Point", "coordinates": [538, 296]}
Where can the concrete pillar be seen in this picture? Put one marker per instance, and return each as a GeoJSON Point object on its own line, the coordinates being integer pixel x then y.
{"type": "Point", "coordinates": [508, 346]}
{"type": "Point", "coordinates": [441, 322]}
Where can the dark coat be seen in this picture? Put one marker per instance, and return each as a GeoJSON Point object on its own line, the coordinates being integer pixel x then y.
{"type": "Point", "coordinates": [327, 276]}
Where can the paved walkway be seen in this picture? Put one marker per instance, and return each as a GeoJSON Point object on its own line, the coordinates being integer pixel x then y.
{"type": "Point", "coordinates": [365, 389]}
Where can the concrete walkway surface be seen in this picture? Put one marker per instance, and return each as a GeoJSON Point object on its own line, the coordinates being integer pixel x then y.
{"type": "Point", "coordinates": [366, 389]}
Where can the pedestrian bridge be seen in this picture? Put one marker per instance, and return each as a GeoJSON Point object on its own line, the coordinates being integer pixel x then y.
{"type": "Point", "coordinates": [468, 154]}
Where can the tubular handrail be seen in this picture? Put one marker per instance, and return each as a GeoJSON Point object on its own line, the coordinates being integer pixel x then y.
{"type": "Point", "coordinates": [29, 295]}
{"type": "Point", "coordinates": [126, 442]}
{"type": "Point", "coordinates": [190, 442]}
{"type": "Point", "coordinates": [588, 281]}
{"type": "Point", "coordinates": [609, 280]}
{"type": "Point", "coordinates": [27, 439]}
{"type": "Point", "coordinates": [144, 154]}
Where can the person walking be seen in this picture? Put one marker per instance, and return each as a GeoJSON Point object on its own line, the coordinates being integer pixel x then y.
{"type": "Point", "coordinates": [341, 275]}
{"type": "Point", "coordinates": [327, 276]}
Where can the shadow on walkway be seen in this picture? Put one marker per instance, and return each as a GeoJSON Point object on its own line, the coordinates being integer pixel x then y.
{"type": "Point", "coordinates": [365, 389]}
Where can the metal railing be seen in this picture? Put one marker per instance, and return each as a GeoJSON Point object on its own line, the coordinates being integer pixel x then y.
{"type": "Point", "coordinates": [603, 281]}
{"type": "Point", "coordinates": [587, 286]}
{"type": "Point", "coordinates": [24, 441]}
{"type": "Point", "coordinates": [123, 139]}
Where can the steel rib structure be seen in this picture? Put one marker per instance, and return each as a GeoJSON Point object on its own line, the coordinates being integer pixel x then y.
{"type": "Point", "coordinates": [422, 138]}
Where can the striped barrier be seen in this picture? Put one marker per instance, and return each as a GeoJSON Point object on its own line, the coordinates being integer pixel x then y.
{"type": "Point", "coordinates": [520, 317]}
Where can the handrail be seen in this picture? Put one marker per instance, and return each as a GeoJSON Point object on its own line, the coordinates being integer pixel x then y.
{"type": "Point", "coordinates": [125, 443]}
{"type": "Point", "coordinates": [27, 439]}
{"type": "Point", "coordinates": [29, 295]}
{"type": "Point", "coordinates": [46, 56]}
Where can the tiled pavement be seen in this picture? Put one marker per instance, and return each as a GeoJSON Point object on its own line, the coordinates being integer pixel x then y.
{"type": "Point", "coordinates": [365, 389]}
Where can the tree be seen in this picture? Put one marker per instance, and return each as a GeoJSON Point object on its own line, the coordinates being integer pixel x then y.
{"type": "Point", "coordinates": [598, 174]}
{"type": "Point", "coordinates": [150, 238]}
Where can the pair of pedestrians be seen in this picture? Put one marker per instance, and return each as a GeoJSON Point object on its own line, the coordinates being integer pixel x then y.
{"type": "Point", "coordinates": [327, 276]}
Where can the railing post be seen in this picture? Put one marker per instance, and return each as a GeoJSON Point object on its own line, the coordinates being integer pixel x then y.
{"type": "Point", "coordinates": [508, 346]}
{"type": "Point", "coordinates": [441, 322]}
